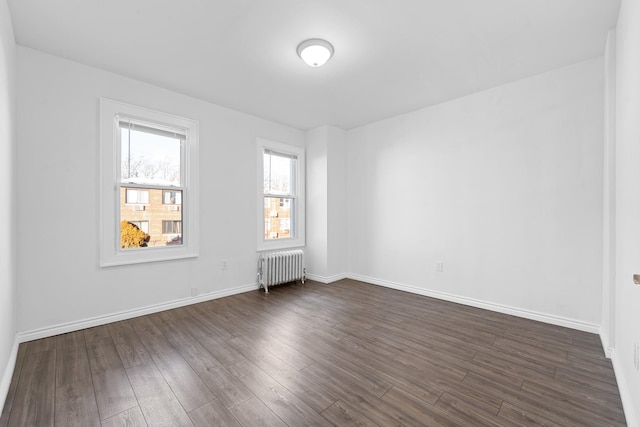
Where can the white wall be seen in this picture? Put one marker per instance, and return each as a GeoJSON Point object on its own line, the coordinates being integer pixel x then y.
{"type": "Point", "coordinates": [58, 275]}
{"type": "Point", "coordinates": [7, 208]}
{"type": "Point", "coordinates": [627, 302]}
{"type": "Point", "coordinates": [607, 332]}
{"type": "Point", "coordinates": [316, 195]}
{"type": "Point", "coordinates": [503, 186]}
{"type": "Point", "coordinates": [326, 204]}
{"type": "Point", "coordinates": [337, 203]}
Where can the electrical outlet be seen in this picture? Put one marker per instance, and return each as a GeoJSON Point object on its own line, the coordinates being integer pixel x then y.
{"type": "Point", "coordinates": [194, 292]}
{"type": "Point", "coordinates": [223, 264]}
{"type": "Point", "coordinates": [440, 266]}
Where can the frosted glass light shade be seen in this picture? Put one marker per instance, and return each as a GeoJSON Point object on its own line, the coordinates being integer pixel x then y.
{"type": "Point", "coordinates": [315, 52]}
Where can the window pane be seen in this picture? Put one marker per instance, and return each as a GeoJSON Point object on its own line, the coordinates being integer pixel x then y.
{"type": "Point", "coordinates": [278, 173]}
{"type": "Point", "coordinates": [160, 223]}
{"type": "Point", "coordinates": [148, 158]}
{"type": "Point", "coordinates": [277, 218]}
{"type": "Point", "coordinates": [172, 198]}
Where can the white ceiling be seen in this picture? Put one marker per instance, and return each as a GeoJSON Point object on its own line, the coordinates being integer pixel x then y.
{"type": "Point", "coordinates": [391, 56]}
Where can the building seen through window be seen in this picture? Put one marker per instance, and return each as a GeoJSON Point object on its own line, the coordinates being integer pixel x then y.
{"type": "Point", "coordinates": [279, 194]}
{"type": "Point", "coordinates": [150, 194]}
{"type": "Point", "coordinates": [161, 221]}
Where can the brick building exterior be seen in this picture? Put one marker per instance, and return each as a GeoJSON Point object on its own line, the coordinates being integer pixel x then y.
{"type": "Point", "coordinates": [277, 218]}
{"type": "Point", "coordinates": [156, 212]}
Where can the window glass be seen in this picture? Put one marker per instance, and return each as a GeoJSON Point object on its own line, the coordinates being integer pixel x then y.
{"type": "Point", "coordinates": [278, 173]}
{"type": "Point", "coordinates": [277, 211]}
{"type": "Point", "coordinates": [149, 156]}
{"type": "Point", "coordinates": [147, 206]}
{"type": "Point", "coordinates": [279, 179]}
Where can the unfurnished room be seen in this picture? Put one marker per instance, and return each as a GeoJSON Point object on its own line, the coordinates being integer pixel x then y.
{"type": "Point", "coordinates": [306, 212]}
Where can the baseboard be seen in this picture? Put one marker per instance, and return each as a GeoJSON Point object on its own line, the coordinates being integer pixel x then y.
{"type": "Point", "coordinates": [608, 349]}
{"type": "Point", "coordinates": [8, 373]}
{"type": "Point", "coordinates": [514, 311]}
{"type": "Point", "coordinates": [623, 388]}
{"type": "Point", "coordinates": [64, 328]}
{"type": "Point", "coordinates": [326, 279]}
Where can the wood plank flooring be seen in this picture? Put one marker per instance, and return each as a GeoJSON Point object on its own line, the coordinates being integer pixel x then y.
{"type": "Point", "coordinates": [345, 354]}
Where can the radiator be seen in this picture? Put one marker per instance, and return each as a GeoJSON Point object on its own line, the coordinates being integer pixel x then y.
{"type": "Point", "coordinates": [275, 268]}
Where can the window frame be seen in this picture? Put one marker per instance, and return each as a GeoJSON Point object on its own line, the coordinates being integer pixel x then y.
{"type": "Point", "coordinates": [298, 218]}
{"type": "Point", "coordinates": [110, 253]}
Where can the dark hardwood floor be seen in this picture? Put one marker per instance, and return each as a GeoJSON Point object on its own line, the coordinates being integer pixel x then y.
{"type": "Point", "coordinates": [342, 354]}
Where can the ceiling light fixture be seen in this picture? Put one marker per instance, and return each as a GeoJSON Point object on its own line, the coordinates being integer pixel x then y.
{"type": "Point", "coordinates": [315, 52]}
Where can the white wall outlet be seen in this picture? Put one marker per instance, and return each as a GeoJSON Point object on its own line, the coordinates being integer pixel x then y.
{"type": "Point", "coordinates": [194, 292]}
{"type": "Point", "coordinates": [224, 264]}
{"type": "Point", "coordinates": [440, 266]}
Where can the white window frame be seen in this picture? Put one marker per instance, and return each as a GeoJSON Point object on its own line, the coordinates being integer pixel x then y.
{"type": "Point", "coordinates": [109, 234]}
{"type": "Point", "coordinates": [298, 218]}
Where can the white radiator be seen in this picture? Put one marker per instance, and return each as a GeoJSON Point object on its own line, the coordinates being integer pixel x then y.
{"type": "Point", "coordinates": [275, 268]}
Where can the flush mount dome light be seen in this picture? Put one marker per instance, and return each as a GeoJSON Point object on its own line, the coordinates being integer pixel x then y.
{"type": "Point", "coordinates": [315, 52]}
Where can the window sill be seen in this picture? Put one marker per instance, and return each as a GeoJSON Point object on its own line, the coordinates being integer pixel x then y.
{"type": "Point", "coordinates": [273, 245]}
{"type": "Point", "coordinates": [146, 255]}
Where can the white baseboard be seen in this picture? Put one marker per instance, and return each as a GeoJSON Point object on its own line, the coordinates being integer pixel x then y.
{"type": "Point", "coordinates": [8, 373]}
{"type": "Point", "coordinates": [326, 279]}
{"type": "Point", "coordinates": [514, 311]}
{"type": "Point", "coordinates": [623, 388]}
{"type": "Point", "coordinates": [606, 344]}
{"type": "Point", "coordinates": [63, 328]}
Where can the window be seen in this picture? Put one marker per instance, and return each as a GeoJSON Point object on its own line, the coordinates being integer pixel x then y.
{"type": "Point", "coordinates": [172, 198]}
{"type": "Point", "coordinates": [139, 197]}
{"type": "Point", "coordinates": [281, 195]}
{"type": "Point", "coordinates": [142, 225]}
{"type": "Point", "coordinates": [148, 159]}
{"type": "Point", "coordinates": [171, 227]}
